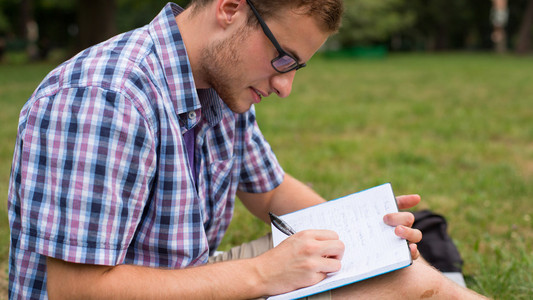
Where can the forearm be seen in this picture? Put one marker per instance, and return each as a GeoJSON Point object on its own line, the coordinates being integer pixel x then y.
{"type": "Point", "coordinates": [289, 196]}
{"type": "Point", "coordinates": [293, 195]}
{"type": "Point", "coordinates": [239, 279]}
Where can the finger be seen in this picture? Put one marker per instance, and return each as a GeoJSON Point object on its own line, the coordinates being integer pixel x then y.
{"type": "Point", "coordinates": [399, 218]}
{"type": "Point", "coordinates": [319, 235]}
{"type": "Point", "coordinates": [330, 265]}
{"type": "Point", "coordinates": [415, 254]}
{"type": "Point", "coordinates": [407, 201]}
{"type": "Point", "coordinates": [333, 249]}
{"type": "Point", "coordinates": [410, 234]}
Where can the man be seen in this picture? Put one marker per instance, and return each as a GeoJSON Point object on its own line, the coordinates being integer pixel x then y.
{"type": "Point", "coordinates": [129, 156]}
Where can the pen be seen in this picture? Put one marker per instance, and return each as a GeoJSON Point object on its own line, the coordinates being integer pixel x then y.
{"type": "Point", "coordinates": [281, 225]}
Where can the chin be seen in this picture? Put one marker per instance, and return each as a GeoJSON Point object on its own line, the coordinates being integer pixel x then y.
{"type": "Point", "coordinates": [236, 106]}
{"type": "Point", "coordinates": [240, 109]}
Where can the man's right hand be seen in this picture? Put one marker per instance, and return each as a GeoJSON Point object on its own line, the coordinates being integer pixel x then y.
{"type": "Point", "coordinates": [301, 260]}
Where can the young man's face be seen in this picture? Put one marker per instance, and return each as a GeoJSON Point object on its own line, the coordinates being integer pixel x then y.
{"type": "Point", "coordinates": [239, 67]}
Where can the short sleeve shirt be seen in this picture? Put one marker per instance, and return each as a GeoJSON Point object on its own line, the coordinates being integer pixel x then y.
{"type": "Point", "coordinates": [100, 172]}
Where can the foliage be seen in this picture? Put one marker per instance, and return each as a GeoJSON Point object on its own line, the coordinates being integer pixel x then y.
{"type": "Point", "coordinates": [422, 24]}
{"type": "Point", "coordinates": [444, 24]}
{"type": "Point", "coordinates": [4, 23]}
{"type": "Point", "coordinates": [400, 24]}
{"type": "Point", "coordinates": [58, 20]}
{"type": "Point", "coordinates": [370, 21]}
{"type": "Point", "coordinates": [6, 7]}
{"type": "Point", "coordinates": [57, 4]}
{"type": "Point", "coordinates": [457, 24]}
{"type": "Point", "coordinates": [134, 13]}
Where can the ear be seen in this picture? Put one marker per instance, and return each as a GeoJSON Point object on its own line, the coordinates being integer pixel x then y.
{"type": "Point", "coordinates": [227, 11]}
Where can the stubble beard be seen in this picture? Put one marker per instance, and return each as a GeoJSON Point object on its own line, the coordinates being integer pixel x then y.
{"type": "Point", "coordinates": [221, 66]}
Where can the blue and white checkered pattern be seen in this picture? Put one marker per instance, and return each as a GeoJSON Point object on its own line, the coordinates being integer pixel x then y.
{"type": "Point", "coordinates": [100, 171]}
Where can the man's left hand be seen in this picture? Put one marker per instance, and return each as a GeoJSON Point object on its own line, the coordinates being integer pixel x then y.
{"type": "Point", "coordinates": [403, 221]}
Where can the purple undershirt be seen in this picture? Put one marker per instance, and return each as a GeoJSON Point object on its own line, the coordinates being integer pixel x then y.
{"type": "Point", "coordinates": [189, 138]}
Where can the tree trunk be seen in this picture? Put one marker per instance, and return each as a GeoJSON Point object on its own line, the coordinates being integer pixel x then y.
{"type": "Point", "coordinates": [24, 17]}
{"type": "Point", "coordinates": [524, 36]}
{"type": "Point", "coordinates": [499, 17]}
{"type": "Point", "coordinates": [96, 20]}
{"type": "Point", "coordinates": [29, 31]}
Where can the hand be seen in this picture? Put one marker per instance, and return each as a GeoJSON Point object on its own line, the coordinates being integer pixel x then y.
{"type": "Point", "coordinates": [301, 260]}
{"type": "Point", "coordinates": [403, 221]}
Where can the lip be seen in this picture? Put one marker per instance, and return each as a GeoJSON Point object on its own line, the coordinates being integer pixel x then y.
{"type": "Point", "coordinates": [257, 95]}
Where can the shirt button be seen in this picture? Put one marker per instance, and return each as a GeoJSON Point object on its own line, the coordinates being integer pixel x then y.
{"type": "Point", "coordinates": [192, 115]}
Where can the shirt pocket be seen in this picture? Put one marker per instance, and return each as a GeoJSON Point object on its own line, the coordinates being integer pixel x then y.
{"type": "Point", "coordinates": [221, 187]}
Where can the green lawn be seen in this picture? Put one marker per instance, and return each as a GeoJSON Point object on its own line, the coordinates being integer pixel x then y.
{"type": "Point", "coordinates": [455, 128]}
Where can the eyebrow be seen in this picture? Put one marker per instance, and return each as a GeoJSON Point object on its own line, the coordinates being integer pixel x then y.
{"type": "Point", "coordinates": [293, 53]}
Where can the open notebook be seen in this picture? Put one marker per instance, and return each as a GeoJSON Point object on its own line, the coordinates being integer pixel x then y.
{"type": "Point", "coordinates": [371, 247]}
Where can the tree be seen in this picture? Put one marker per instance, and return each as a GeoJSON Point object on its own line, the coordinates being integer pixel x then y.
{"type": "Point", "coordinates": [99, 20]}
{"type": "Point", "coordinates": [499, 17]}
{"type": "Point", "coordinates": [96, 20]}
{"type": "Point", "coordinates": [68, 24]}
{"type": "Point", "coordinates": [451, 24]}
{"type": "Point", "coordinates": [4, 29]}
{"type": "Point", "coordinates": [368, 22]}
{"type": "Point", "coordinates": [524, 35]}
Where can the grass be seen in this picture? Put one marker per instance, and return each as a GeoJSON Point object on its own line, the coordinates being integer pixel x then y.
{"type": "Point", "coordinates": [455, 128]}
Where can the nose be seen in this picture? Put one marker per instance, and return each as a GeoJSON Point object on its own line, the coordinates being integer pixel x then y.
{"type": "Point", "coordinates": [282, 83]}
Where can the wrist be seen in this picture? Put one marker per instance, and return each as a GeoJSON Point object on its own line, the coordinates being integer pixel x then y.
{"type": "Point", "coordinates": [258, 279]}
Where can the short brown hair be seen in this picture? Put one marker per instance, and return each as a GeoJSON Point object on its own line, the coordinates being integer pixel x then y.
{"type": "Point", "coordinates": [327, 13]}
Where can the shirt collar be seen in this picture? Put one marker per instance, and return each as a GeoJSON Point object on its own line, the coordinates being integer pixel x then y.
{"type": "Point", "coordinates": [171, 51]}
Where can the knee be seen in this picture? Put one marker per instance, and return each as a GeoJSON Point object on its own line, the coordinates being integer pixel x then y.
{"type": "Point", "coordinates": [418, 281]}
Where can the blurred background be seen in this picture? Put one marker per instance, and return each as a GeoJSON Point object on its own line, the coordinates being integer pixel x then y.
{"type": "Point", "coordinates": [435, 96]}
{"type": "Point", "coordinates": [40, 29]}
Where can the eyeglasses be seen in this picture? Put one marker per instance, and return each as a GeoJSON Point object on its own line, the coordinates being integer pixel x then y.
{"type": "Point", "coordinates": [284, 62]}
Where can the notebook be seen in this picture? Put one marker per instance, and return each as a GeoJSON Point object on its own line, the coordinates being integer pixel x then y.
{"type": "Point", "coordinates": [371, 246]}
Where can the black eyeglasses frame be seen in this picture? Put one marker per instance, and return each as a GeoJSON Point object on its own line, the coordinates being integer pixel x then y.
{"type": "Point", "coordinates": [281, 53]}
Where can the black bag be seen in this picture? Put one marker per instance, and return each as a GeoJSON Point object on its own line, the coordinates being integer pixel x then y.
{"type": "Point", "coordinates": [436, 247]}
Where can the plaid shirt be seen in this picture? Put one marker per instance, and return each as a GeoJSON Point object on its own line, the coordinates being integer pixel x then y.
{"type": "Point", "coordinates": [100, 171]}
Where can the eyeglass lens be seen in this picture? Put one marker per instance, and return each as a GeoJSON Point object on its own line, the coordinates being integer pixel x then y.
{"type": "Point", "coordinates": [284, 63]}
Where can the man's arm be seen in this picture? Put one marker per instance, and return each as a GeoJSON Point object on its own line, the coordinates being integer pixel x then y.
{"type": "Point", "coordinates": [415, 281]}
{"type": "Point", "coordinates": [303, 260]}
{"type": "Point", "coordinates": [292, 195]}
{"type": "Point", "coordinates": [231, 280]}
{"type": "Point", "coordinates": [289, 196]}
